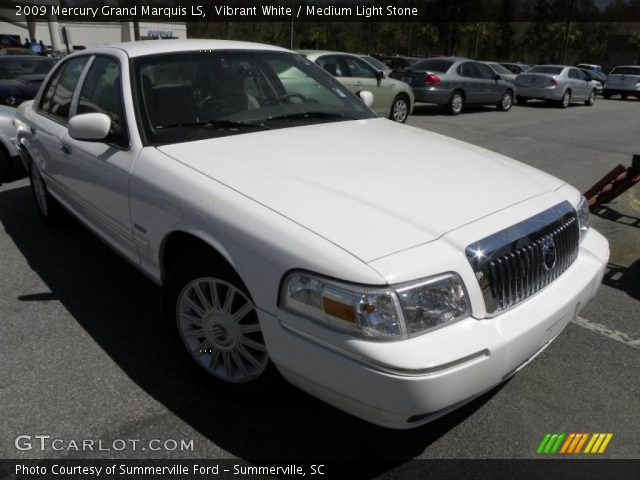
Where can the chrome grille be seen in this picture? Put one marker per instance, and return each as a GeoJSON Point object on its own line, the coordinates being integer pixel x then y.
{"type": "Point", "coordinates": [515, 263]}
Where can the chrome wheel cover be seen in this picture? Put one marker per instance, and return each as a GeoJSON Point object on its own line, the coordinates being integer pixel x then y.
{"type": "Point", "coordinates": [565, 99]}
{"type": "Point", "coordinates": [400, 110]}
{"type": "Point", "coordinates": [507, 101]}
{"type": "Point", "coordinates": [456, 103]}
{"type": "Point", "coordinates": [39, 191]}
{"type": "Point", "coordinates": [219, 326]}
{"type": "Point", "coordinates": [592, 98]}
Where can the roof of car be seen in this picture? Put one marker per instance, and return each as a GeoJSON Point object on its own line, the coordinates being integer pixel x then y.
{"type": "Point", "coordinates": [150, 47]}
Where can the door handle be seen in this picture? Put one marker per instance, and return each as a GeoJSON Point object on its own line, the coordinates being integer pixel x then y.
{"type": "Point", "coordinates": [65, 149]}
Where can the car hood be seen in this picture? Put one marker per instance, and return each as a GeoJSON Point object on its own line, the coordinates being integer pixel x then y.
{"type": "Point", "coordinates": [372, 187]}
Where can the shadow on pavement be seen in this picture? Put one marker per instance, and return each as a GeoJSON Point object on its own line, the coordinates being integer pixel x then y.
{"type": "Point", "coordinates": [610, 214]}
{"type": "Point", "coordinates": [626, 279]}
{"type": "Point", "coordinates": [119, 308]}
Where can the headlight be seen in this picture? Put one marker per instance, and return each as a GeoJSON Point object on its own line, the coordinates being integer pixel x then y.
{"type": "Point", "coordinates": [377, 313]}
{"type": "Point", "coordinates": [582, 211]}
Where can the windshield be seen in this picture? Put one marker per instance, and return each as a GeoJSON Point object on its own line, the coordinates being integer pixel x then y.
{"type": "Point", "coordinates": [499, 68]}
{"type": "Point", "coordinates": [433, 65]}
{"type": "Point", "coordinates": [546, 69]}
{"type": "Point", "coordinates": [11, 68]}
{"type": "Point", "coordinates": [195, 95]}
{"type": "Point", "coordinates": [375, 63]}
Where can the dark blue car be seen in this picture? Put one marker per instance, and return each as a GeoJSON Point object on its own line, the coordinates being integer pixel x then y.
{"type": "Point", "coordinates": [21, 77]}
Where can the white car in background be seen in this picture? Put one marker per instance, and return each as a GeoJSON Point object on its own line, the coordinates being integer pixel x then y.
{"type": "Point", "coordinates": [391, 98]}
{"type": "Point", "coordinates": [623, 80]}
{"type": "Point", "coordinates": [292, 230]}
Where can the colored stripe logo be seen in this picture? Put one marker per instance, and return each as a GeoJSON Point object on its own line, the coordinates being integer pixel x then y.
{"type": "Point", "coordinates": [574, 443]}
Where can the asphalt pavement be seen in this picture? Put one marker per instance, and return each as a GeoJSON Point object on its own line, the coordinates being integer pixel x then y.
{"type": "Point", "coordinates": [83, 356]}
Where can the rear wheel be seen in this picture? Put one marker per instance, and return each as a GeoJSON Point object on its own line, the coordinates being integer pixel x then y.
{"type": "Point", "coordinates": [506, 102]}
{"type": "Point", "coordinates": [456, 103]}
{"type": "Point", "coordinates": [49, 209]}
{"type": "Point", "coordinates": [214, 322]}
{"type": "Point", "coordinates": [592, 99]}
{"type": "Point", "coordinates": [565, 100]}
{"type": "Point", "coordinates": [399, 109]}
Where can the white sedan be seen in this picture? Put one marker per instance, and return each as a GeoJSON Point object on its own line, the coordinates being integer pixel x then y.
{"type": "Point", "coordinates": [389, 271]}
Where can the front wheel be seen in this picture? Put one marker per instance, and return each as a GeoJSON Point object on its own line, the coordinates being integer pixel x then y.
{"type": "Point", "coordinates": [592, 99]}
{"type": "Point", "coordinates": [215, 323]}
{"type": "Point", "coordinates": [565, 100]}
{"type": "Point", "coordinates": [399, 109]}
{"type": "Point", "coordinates": [49, 209]}
{"type": "Point", "coordinates": [506, 102]}
{"type": "Point", "coordinates": [456, 103]}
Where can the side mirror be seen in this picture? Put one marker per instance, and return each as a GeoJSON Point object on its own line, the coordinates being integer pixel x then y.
{"type": "Point", "coordinates": [367, 97]}
{"type": "Point", "coordinates": [90, 127]}
{"type": "Point", "coordinates": [497, 77]}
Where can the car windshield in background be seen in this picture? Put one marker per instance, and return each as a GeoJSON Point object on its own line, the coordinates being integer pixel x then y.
{"type": "Point", "coordinates": [625, 71]}
{"type": "Point", "coordinates": [499, 68]}
{"type": "Point", "coordinates": [14, 67]}
{"type": "Point", "coordinates": [375, 63]}
{"type": "Point", "coordinates": [196, 95]}
{"type": "Point", "coordinates": [432, 65]}
{"type": "Point", "coordinates": [543, 69]}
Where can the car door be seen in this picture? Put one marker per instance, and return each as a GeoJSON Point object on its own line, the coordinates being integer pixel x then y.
{"type": "Point", "coordinates": [53, 109]}
{"type": "Point", "coordinates": [98, 171]}
{"type": "Point", "coordinates": [472, 84]}
{"type": "Point", "coordinates": [584, 82]}
{"type": "Point", "coordinates": [364, 77]}
{"type": "Point", "coordinates": [578, 83]}
{"type": "Point", "coordinates": [492, 88]}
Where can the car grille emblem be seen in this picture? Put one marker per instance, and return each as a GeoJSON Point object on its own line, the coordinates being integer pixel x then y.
{"type": "Point", "coordinates": [549, 252]}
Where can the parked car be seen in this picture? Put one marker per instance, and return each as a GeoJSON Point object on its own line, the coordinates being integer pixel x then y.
{"type": "Point", "coordinates": [504, 73]}
{"type": "Point", "coordinates": [391, 98]}
{"type": "Point", "coordinates": [516, 68]}
{"type": "Point", "coordinates": [624, 81]}
{"type": "Point", "coordinates": [598, 79]}
{"type": "Point", "coordinates": [455, 82]}
{"type": "Point", "coordinates": [12, 66]}
{"type": "Point", "coordinates": [398, 62]}
{"type": "Point", "coordinates": [590, 67]}
{"type": "Point", "coordinates": [390, 271]}
{"type": "Point", "coordinates": [9, 154]}
{"type": "Point", "coordinates": [17, 51]}
{"type": "Point", "coordinates": [557, 83]}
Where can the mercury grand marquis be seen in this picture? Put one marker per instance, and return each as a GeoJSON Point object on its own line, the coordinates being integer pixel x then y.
{"type": "Point", "coordinates": [392, 272]}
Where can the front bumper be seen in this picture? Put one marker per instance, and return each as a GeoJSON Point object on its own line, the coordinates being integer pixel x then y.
{"type": "Point", "coordinates": [408, 383]}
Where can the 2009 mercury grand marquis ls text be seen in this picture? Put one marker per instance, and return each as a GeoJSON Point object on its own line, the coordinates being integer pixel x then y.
{"type": "Point", "coordinates": [389, 271]}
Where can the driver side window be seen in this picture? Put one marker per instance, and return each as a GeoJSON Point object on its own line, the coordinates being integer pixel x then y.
{"type": "Point", "coordinates": [102, 93]}
{"type": "Point", "coordinates": [359, 68]}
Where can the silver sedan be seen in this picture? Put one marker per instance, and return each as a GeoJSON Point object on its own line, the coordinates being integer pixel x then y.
{"type": "Point", "coordinates": [555, 83]}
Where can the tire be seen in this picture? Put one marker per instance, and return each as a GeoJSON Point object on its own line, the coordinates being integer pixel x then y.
{"type": "Point", "coordinates": [506, 102]}
{"type": "Point", "coordinates": [456, 103]}
{"type": "Point", "coordinates": [591, 100]}
{"type": "Point", "coordinates": [606, 95]}
{"type": "Point", "coordinates": [565, 101]}
{"type": "Point", "coordinates": [5, 166]}
{"type": "Point", "coordinates": [399, 109]}
{"type": "Point", "coordinates": [51, 212]}
{"type": "Point", "coordinates": [230, 354]}
{"type": "Point", "coordinates": [521, 100]}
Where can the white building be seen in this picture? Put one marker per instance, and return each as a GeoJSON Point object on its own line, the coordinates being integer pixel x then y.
{"type": "Point", "coordinates": [84, 34]}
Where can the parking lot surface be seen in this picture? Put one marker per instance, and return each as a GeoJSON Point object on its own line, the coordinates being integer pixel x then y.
{"type": "Point", "coordinates": [83, 355]}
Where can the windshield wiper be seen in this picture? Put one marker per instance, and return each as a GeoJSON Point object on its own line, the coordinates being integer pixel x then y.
{"type": "Point", "coordinates": [217, 123]}
{"type": "Point", "coordinates": [311, 115]}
